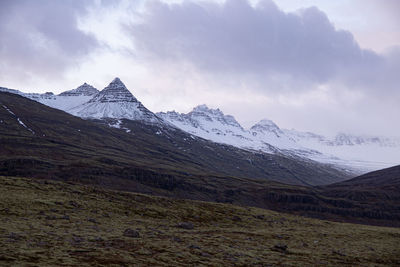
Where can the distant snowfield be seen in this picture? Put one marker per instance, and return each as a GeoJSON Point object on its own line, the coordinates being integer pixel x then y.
{"type": "Point", "coordinates": [356, 154]}
{"type": "Point", "coordinates": [364, 157]}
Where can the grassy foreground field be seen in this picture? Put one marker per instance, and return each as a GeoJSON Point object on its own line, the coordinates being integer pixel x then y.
{"type": "Point", "coordinates": [46, 223]}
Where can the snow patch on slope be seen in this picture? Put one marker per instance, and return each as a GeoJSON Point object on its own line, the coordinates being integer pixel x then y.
{"type": "Point", "coordinates": [18, 119]}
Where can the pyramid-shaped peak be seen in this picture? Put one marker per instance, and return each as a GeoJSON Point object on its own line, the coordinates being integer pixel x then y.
{"type": "Point", "coordinates": [83, 90]}
{"type": "Point", "coordinates": [117, 81]}
{"type": "Point", "coordinates": [116, 91]}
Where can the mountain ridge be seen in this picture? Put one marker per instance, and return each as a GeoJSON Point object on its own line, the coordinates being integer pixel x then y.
{"type": "Point", "coordinates": [345, 151]}
{"type": "Point", "coordinates": [153, 146]}
{"type": "Point", "coordinates": [356, 156]}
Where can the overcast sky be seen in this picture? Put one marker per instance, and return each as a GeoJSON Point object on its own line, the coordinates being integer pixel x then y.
{"type": "Point", "coordinates": [313, 65]}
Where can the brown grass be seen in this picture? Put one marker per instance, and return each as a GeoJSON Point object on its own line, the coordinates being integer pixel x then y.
{"type": "Point", "coordinates": [58, 224]}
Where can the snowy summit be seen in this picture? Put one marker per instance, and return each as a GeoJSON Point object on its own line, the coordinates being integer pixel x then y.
{"type": "Point", "coordinates": [114, 101]}
{"type": "Point", "coordinates": [83, 90]}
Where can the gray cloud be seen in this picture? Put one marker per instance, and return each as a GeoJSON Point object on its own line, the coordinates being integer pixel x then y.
{"type": "Point", "coordinates": [237, 38]}
{"type": "Point", "coordinates": [41, 37]}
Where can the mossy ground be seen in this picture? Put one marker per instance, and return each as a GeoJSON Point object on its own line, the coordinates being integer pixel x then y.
{"type": "Point", "coordinates": [46, 223]}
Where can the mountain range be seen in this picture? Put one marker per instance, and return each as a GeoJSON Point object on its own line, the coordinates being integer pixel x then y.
{"type": "Point", "coordinates": [155, 156]}
{"type": "Point", "coordinates": [134, 146]}
{"type": "Point", "coordinates": [346, 152]}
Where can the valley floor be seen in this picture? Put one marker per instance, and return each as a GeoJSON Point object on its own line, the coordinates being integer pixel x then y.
{"type": "Point", "coordinates": [63, 224]}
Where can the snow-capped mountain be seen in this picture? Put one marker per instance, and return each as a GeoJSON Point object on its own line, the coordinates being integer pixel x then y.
{"type": "Point", "coordinates": [355, 153]}
{"type": "Point", "coordinates": [12, 91]}
{"type": "Point", "coordinates": [64, 101]}
{"type": "Point", "coordinates": [267, 131]}
{"type": "Point", "coordinates": [83, 90]}
{"type": "Point", "coordinates": [214, 125]}
{"type": "Point", "coordinates": [205, 122]}
{"type": "Point", "coordinates": [114, 101]}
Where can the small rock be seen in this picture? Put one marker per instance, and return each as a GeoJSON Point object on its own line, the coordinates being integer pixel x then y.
{"type": "Point", "coordinates": [42, 244]}
{"type": "Point", "coordinates": [131, 233]}
{"type": "Point", "coordinates": [280, 248]}
{"type": "Point", "coordinates": [92, 220]}
{"type": "Point", "coordinates": [193, 247]}
{"type": "Point", "coordinates": [14, 236]}
{"type": "Point", "coordinates": [73, 203]}
{"type": "Point", "coordinates": [236, 219]}
{"type": "Point", "coordinates": [77, 239]}
{"type": "Point", "coordinates": [260, 216]}
{"type": "Point", "coordinates": [65, 217]}
{"type": "Point", "coordinates": [97, 239]}
{"type": "Point", "coordinates": [176, 239]}
{"type": "Point", "coordinates": [157, 231]}
{"type": "Point", "coordinates": [338, 252]}
{"type": "Point", "coordinates": [186, 225]}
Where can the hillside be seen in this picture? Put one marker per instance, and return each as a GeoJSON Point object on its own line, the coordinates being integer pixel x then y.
{"type": "Point", "coordinates": [57, 144]}
{"type": "Point", "coordinates": [386, 178]}
{"type": "Point", "coordinates": [65, 224]}
{"type": "Point", "coordinates": [38, 141]}
{"type": "Point", "coordinates": [380, 190]}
